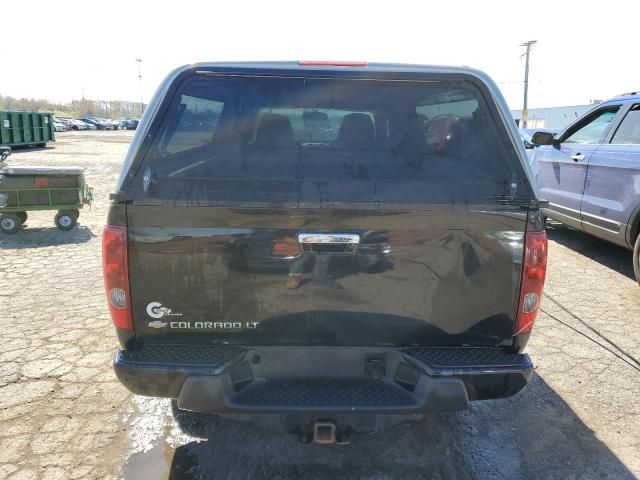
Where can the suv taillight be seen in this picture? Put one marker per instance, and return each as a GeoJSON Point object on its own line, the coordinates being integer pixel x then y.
{"type": "Point", "coordinates": [532, 283]}
{"type": "Point", "coordinates": [115, 268]}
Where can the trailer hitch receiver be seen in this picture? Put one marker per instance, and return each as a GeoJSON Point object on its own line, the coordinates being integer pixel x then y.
{"type": "Point", "coordinates": [324, 433]}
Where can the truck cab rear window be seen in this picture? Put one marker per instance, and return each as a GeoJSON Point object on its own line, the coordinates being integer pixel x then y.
{"type": "Point", "coordinates": [323, 140]}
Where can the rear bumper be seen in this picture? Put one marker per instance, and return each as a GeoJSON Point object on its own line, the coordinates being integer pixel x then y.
{"type": "Point", "coordinates": [229, 379]}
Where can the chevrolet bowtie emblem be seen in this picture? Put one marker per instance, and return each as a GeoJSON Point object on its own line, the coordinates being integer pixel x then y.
{"type": "Point", "coordinates": [157, 324]}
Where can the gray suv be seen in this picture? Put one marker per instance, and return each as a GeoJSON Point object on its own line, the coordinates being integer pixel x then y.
{"type": "Point", "coordinates": [590, 173]}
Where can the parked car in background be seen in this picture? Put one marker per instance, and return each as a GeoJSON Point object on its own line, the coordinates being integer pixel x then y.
{"type": "Point", "coordinates": [99, 124]}
{"type": "Point", "coordinates": [590, 173]}
{"type": "Point", "coordinates": [79, 124]}
{"type": "Point", "coordinates": [59, 126]}
{"type": "Point", "coordinates": [114, 124]}
{"type": "Point", "coordinates": [132, 124]}
{"type": "Point", "coordinates": [107, 123]}
{"type": "Point", "coordinates": [66, 121]}
{"type": "Point", "coordinates": [292, 240]}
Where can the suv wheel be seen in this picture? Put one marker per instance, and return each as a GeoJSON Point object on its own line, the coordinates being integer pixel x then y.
{"type": "Point", "coordinates": [636, 259]}
{"type": "Point", "coordinates": [9, 223]}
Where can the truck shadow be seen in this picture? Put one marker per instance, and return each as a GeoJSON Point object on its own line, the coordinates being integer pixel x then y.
{"type": "Point", "coordinates": [532, 435]}
{"type": "Point", "coordinates": [608, 254]}
{"type": "Point", "coordinates": [45, 237]}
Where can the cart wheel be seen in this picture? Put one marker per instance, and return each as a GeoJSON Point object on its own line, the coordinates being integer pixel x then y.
{"type": "Point", "coordinates": [65, 220]}
{"type": "Point", "coordinates": [76, 212]}
{"type": "Point", "coordinates": [22, 216]}
{"type": "Point", "coordinates": [9, 223]}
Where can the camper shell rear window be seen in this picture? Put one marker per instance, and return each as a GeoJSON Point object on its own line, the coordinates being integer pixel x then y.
{"type": "Point", "coordinates": [307, 141]}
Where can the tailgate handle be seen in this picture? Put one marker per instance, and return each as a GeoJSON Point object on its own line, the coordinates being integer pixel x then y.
{"type": "Point", "coordinates": [329, 242]}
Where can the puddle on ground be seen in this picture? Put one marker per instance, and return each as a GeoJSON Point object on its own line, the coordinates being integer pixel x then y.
{"type": "Point", "coordinates": [150, 464]}
{"type": "Point", "coordinates": [162, 462]}
{"type": "Point", "coordinates": [154, 441]}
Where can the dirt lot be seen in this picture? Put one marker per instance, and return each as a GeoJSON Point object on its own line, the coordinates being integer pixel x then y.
{"type": "Point", "coordinates": [64, 415]}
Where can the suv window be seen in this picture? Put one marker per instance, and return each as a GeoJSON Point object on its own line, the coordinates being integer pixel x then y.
{"type": "Point", "coordinates": [303, 140]}
{"type": "Point", "coordinates": [629, 130]}
{"type": "Point", "coordinates": [592, 131]}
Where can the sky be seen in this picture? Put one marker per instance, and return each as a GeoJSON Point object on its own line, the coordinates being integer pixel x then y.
{"type": "Point", "coordinates": [62, 50]}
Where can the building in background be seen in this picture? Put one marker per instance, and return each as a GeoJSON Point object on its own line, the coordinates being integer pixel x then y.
{"type": "Point", "coordinates": [555, 118]}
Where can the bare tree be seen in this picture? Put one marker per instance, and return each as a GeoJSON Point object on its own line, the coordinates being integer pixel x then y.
{"type": "Point", "coordinates": [75, 108]}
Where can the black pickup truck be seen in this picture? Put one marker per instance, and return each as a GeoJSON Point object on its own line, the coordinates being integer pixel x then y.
{"type": "Point", "coordinates": [326, 243]}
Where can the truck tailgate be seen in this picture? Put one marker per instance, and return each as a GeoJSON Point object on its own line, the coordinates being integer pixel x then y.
{"type": "Point", "coordinates": [422, 277]}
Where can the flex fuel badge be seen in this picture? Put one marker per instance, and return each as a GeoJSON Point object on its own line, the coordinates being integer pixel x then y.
{"type": "Point", "coordinates": [156, 310]}
{"type": "Point", "coordinates": [159, 313]}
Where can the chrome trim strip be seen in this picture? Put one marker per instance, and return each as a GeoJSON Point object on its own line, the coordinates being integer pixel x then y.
{"type": "Point", "coordinates": [560, 207]}
{"type": "Point", "coordinates": [600, 227]}
{"type": "Point", "coordinates": [603, 220]}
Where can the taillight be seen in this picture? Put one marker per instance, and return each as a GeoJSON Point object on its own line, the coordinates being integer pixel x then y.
{"type": "Point", "coordinates": [115, 268]}
{"type": "Point", "coordinates": [534, 269]}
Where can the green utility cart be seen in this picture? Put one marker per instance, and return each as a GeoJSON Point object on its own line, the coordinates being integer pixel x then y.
{"type": "Point", "coordinates": [26, 128]}
{"type": "Point", "coordinates": [24, 189]}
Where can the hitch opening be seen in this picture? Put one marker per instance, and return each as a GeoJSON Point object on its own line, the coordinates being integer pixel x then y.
{"type": "Point", "coordinates": [324, 433]}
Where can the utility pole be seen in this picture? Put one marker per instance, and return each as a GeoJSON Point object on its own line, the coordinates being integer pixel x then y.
{"type": "Point", "coordinates": [525, 110]}
{"type": "Point", "coordinates": [139, 62]}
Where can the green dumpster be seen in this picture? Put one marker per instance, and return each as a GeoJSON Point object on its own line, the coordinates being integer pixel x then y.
{"type": "Point", "coordinates": [26, 128]}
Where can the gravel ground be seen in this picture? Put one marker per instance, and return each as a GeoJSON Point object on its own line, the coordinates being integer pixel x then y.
{"type": "Point", "coordinates": [64, 415]}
